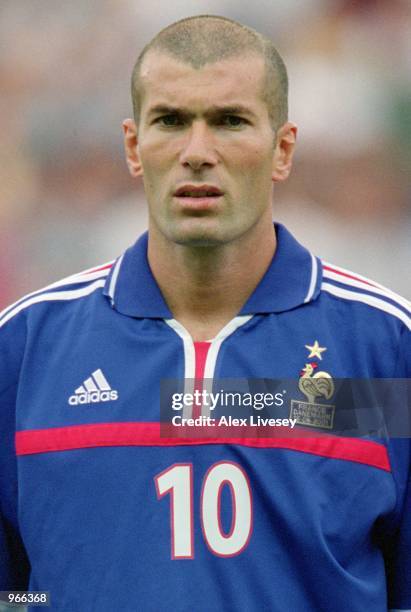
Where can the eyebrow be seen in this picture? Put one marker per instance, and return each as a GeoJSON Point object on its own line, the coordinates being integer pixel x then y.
{"type": "Point", "coordinates": [237, 109]}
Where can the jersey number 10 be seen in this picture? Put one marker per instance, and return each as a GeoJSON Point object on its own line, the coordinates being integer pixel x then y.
{"type": "Point", "coordinates": [177, 480]}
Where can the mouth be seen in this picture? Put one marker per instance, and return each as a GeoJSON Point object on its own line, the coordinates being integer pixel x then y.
{"type": "Point", "coordinates": [198, 197]}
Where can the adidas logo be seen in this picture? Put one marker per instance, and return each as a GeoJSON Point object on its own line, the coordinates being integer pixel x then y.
{"type": "Point", "coordinates": [93, 390]}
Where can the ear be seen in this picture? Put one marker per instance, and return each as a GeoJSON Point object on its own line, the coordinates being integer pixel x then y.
{"type": "Point", "coordinates": [284, 151]}
{"type": "Point", "coordinates": [131, 148]}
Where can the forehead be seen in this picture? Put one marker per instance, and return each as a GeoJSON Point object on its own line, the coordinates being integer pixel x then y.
{"type": "Point", "coordinates": [232, 81]}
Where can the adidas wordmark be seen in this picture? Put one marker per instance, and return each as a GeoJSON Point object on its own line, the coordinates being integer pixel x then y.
{"type": "Point", "coordinates": [93, 390]}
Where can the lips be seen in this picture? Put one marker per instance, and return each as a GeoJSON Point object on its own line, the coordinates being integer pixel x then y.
{"type": "Point", "coordinates": [198, 191]}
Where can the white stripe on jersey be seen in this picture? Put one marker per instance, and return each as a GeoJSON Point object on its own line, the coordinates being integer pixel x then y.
{"type": "Point", "coordinates": [368, 299]}
{"type": "Point", "coordinates": [113, 280]}
{"type": "Point", "coordinates": [50, 297]}
{"type": "Point", "coordinates": [216, 342]}
{"type": "Point", "coordinates": [74, 279]}
{"type": "Point", "coordinates": [359, 284]}
{"type": "Point", "coordinates": [313, 280]}
{"type": "Point", "coordinates": [358, 276]}
{"type": "Point", "coordinates": [189, 360]}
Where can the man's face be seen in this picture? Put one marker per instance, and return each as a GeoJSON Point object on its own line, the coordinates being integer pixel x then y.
{"type": "Point", "coordinates": [206, 148]}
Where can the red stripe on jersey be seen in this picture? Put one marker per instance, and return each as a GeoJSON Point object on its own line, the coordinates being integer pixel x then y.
{"type": "Point", "coordinates": [201, 351]}
{"type": "Point", "coordinates": [98, 269]}
{"type": "Point", "coordinates": [150, 434]}
{"type": "Point", "coordinates": [357, 278]}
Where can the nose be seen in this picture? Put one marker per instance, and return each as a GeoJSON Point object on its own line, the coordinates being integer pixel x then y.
{"type": "Point", "coordinates": [199, 147]}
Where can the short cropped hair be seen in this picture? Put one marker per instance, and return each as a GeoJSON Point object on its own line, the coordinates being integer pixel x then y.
{"type": "Point", "coordinates": [206, 39]}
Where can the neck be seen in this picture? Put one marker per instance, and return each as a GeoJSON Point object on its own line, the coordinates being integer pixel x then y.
{"type": "Point", "coordinates": [205, 287]}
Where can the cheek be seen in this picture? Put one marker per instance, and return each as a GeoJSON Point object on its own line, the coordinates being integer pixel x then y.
{"type": "Point", "coordinates": [256, 157]}
{"type": "Point", "coordinates": [254, 173]}
{"type": "Point", "coordinates": [156, 157]}
{"type": "Point", "coordinates": [157, 162]}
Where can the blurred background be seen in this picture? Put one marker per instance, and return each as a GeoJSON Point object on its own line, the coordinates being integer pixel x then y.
{"type": "Point", "coordinates": [66, 199]}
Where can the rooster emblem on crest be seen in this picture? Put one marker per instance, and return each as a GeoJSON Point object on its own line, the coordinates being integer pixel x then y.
{"type": "Point", "coordinates": [315, 385]}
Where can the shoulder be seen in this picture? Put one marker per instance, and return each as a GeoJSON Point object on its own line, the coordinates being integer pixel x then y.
{"type": "Point", "coordinates": [43, 316]}
{"type": "Point", "coordinates": [356, 292]}
{"type": "Point", "coordinates": [370, 315]}
{"type": "Point", "coordinates": [71, 288]}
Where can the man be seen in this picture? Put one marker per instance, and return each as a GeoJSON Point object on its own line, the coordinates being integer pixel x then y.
{"type": "Point", "coordinates": [102, 510]}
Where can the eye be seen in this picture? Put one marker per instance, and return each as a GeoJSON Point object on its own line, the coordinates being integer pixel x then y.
{"type": "Point", "coordinates": [233, 121]}
{"type": "Point", "coordinates": [171, 120]}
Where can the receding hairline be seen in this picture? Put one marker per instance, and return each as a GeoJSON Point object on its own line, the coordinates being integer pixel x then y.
{"type": "Point", "coordinates": [206, 39]}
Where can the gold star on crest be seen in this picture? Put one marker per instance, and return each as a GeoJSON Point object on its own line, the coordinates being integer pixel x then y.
{"type": "Point", "coordinates": [315, 350]}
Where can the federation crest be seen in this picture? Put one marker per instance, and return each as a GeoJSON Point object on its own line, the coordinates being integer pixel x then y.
{"type": "Point", "coordinates": [315, 385]}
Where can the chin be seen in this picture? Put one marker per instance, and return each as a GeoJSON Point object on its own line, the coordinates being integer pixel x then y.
{"type": "Point", "coordinates": [196, 234]}
{"type": "Point", "coordinates": [198, 239]}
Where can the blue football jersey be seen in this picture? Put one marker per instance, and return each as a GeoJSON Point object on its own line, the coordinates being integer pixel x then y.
{"type": "Point", "coordinates": [104, 512]}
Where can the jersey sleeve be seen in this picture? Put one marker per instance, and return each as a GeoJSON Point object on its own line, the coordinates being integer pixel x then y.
{"type": "Point", "coordinates": [14, 566]}
{"type": "Point", "coordinates": [399, 556]}
{"type": "Point", "coordinates": [398, 560]}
